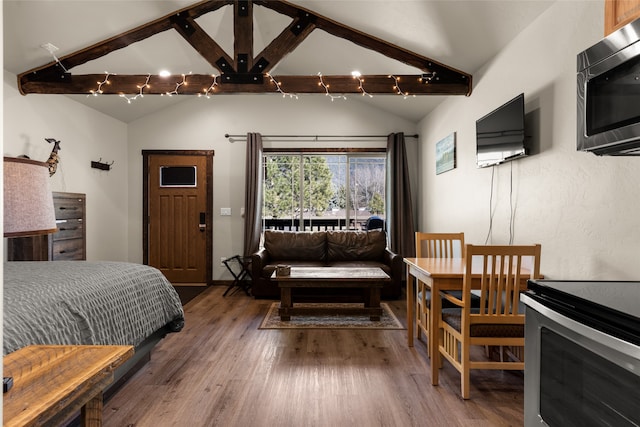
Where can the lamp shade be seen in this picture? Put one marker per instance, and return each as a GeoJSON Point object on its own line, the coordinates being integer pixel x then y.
{"type": "Point", "coordinates": [28, 201]}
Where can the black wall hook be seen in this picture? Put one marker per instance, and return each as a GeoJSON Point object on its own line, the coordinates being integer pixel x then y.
{"type": "Point", "coordinates": [102, 166]}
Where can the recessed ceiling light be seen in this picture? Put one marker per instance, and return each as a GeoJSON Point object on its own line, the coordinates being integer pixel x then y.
{"type": "Point", "coordinates": [164, 73]}
{"type": "Point", "coordinates": [356, 73]}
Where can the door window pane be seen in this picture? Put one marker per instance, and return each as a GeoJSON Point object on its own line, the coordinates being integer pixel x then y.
{"type": "Point", "coordinates": [177, 176]}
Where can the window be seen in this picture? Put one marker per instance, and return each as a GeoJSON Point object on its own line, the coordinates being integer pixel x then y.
{"type": "Point", "coordinates": [304, 191]}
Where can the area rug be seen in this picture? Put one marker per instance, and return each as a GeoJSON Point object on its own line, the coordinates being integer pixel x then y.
{"type": "Point", "coordinates": [388, 320]}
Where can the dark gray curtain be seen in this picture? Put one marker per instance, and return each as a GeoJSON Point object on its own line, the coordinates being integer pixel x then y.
{"type": "Point", "coordinates": [399, 204]}
{"type": "Point", "coordinates": [253, 194]}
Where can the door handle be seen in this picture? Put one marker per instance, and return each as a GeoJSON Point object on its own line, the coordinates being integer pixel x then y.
{"type": "Point", "coordinates": [202, 225]}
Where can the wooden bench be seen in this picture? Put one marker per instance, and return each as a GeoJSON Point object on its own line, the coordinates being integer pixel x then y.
{"type": "Point", "coordinates": [51, 383]}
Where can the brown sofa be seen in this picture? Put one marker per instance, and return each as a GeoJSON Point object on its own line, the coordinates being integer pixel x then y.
{"type": "Point", "coordinates": [324, 249]}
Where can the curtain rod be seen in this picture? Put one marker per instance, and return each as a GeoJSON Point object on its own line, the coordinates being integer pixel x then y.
{"type": "Point", "coordinates": [316, 137]}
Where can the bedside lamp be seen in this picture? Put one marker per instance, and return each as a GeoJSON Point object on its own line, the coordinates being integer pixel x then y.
{"type": "Point", "coordinates": [28, 201]}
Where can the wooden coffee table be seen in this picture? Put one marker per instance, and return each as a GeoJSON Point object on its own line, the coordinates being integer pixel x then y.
{"type": "Point", "coordinates": [370, 278]}
{"type": "Point", "coordinates": [52, 382]}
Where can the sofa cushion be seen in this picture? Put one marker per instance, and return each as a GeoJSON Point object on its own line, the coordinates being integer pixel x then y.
{"type": "Point", "coordinates": [356, 245]}
{"type": "Point", "coordinates": [295, 246]}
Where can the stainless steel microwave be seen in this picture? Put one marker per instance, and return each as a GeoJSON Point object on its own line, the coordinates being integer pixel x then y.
{"type": "Point", "coordinates": [609, 94]}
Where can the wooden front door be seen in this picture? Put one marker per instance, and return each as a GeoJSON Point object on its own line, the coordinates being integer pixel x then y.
{"type": "Point", "coordinates": [178, 205]}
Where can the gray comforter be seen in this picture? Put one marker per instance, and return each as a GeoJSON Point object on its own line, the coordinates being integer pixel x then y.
{"type": "Point", "coordinates": [81, 302]}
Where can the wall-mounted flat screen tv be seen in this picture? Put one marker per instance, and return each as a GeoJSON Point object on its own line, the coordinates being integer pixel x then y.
{"type": "Point", "coordinates": [500, 134]}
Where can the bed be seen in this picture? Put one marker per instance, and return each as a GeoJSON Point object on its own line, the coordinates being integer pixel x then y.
{"type": "Point", "coordinates": [83, 302]}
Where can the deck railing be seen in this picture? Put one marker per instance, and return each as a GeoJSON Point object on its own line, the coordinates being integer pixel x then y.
{"type": "Point", "coordinates": [315, 224]}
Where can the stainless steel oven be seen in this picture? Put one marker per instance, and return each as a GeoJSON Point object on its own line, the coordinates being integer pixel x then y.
{"type": "Point", "coordinates": [582, 353]}
{"type": "Point", "coordinates": [608, 102]}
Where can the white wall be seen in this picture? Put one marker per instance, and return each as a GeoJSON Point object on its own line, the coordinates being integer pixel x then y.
{"type": "Point", "coordinates": [583, 209]}
{"type": "Point", "coordinates": [85, 135]}
{"type": "Point", "coordinates": [202, 123]}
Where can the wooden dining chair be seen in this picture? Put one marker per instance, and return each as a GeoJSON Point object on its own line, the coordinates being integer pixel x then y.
{"type": "Point", "coordinates": [498, 321]}
{"type": "Point", "coordinates": [433, 245]}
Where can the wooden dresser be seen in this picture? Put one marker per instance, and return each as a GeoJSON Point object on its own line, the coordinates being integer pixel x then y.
{"type": "Point", "coordinates": [68, 243]}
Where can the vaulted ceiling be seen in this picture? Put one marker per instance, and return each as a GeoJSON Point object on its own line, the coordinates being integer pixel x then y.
{"type": "Point", "coordinates": [226, 47]}
{"type": "Point", "coordinates": [241, 71]}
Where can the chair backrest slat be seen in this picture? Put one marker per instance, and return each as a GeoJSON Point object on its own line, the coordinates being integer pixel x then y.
{"type": "Point", "coordinates": [439, 245]}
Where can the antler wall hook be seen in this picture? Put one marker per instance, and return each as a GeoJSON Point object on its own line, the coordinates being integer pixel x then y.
{"type": "Point", "coordinates": [53, 159]}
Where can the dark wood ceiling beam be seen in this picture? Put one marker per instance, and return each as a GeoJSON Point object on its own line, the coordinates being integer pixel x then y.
{"type": "Point", "coordinates": [285, 43]}
{"type": "Point", "coordinates": [243, 35]}
{"type": "Point", "coordinates": [199, 83]}
{"type": "Point", "coordinates": [215, 55]}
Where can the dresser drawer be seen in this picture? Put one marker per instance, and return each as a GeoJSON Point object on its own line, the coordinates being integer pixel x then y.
{"type": "Point", "coordinates": [69, 229]}
{"type": "Point", "coordinates": [65, 250]}
{"type": "Point", "coordinates": [68, 207]}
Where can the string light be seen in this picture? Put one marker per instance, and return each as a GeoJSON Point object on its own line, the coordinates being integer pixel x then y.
{"type": "Point", "coordinates": [279, 89]}
{"type": "Point", "coordinates": [98, 91]}
{"type": "Point", "coordinates": [427, 77]}
{"type": "Point", "coordinates": [396, 86]}
{"type": "Point", "coordinates": [357, 75]}
{"type": "Point", "coordinates": [424, 78]}
{"type": "Point", "coordinates": [140, 93]}
{"type": "Point", "coordinates": [211, 88]}
{"type": "Point", "coordinates": [326, 89]}
{"type": "Point", "coordinates": [178, 85]}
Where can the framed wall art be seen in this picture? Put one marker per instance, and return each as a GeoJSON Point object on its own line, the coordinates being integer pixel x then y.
{"type": "Point", "coordinates": [446, 154]}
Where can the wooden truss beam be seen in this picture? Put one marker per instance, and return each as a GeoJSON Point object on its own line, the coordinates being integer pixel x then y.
{"type": "Point", "coordinates": [201, 42]}
{"type": "Point", "coordinates": [193, 84]}
{"type": "Point", "coordinates": [243, 72]}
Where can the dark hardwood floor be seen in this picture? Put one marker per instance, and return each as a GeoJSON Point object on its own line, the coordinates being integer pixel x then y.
{"type": "Point", "coordinates": [221, 370]}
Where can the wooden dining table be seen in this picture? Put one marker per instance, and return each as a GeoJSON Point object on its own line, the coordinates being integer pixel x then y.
{"type": "Point", "coordinates": [439, 274]}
